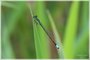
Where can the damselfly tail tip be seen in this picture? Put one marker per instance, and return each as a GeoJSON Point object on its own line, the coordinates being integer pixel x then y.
{"type": "Point", "coordinates": [57, 46]}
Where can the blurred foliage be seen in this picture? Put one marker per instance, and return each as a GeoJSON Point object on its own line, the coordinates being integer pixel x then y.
{"type": "Point", "coordinates": [65, 21]}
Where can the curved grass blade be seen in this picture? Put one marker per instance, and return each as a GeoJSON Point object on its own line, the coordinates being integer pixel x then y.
{"type": "Point", "coordinates": [8, 5]}
{"type": "Point", "coordinates": [70, 31]}
{"type": "Point", "coordinates": [83, 38]}
{"type": "Point", "coordinates": [7, 29]}
{"type": "Point", "coordinates": [56, 35]}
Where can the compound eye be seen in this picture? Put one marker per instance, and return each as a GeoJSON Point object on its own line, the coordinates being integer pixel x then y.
{"type": "Point", "coordinates": [34, 16]}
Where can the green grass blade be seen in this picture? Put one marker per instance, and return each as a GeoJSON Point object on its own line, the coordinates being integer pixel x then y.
{"type": "Point", "coordinates": [71, 29]}
{"type": "Point", "coordinates": [40, 37]}
{"type": "Point", "coordinates": [7, 29]}
{"type": "Point", "coordinates": [84, 15]}
{"type": "Point", "coordinates": [7, 48]}
{"type": "Point", "coordinates": [81, 48]}
{"type": "Point", "coordinates": [82, 40]}
{"type": "Point", "coordinates": [8, 5]}
{"type": "Point", "coordinates": [56, 35]}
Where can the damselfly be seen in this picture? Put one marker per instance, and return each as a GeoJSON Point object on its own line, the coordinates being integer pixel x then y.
{"type": "Point", "coordinates": [38, 21]}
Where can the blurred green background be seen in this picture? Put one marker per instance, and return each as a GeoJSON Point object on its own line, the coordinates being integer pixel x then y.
{"type": "Point", "coordinates": [65, 21]}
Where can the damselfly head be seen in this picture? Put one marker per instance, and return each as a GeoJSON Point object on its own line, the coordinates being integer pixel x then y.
{"type": "Point", "coordinates": [35, 16]}
{"type": "Point", "coordinates": [35, 19]}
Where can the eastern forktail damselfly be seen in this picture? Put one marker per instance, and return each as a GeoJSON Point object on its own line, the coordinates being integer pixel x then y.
{"type": "Point", "coordinates": [38, 21]}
